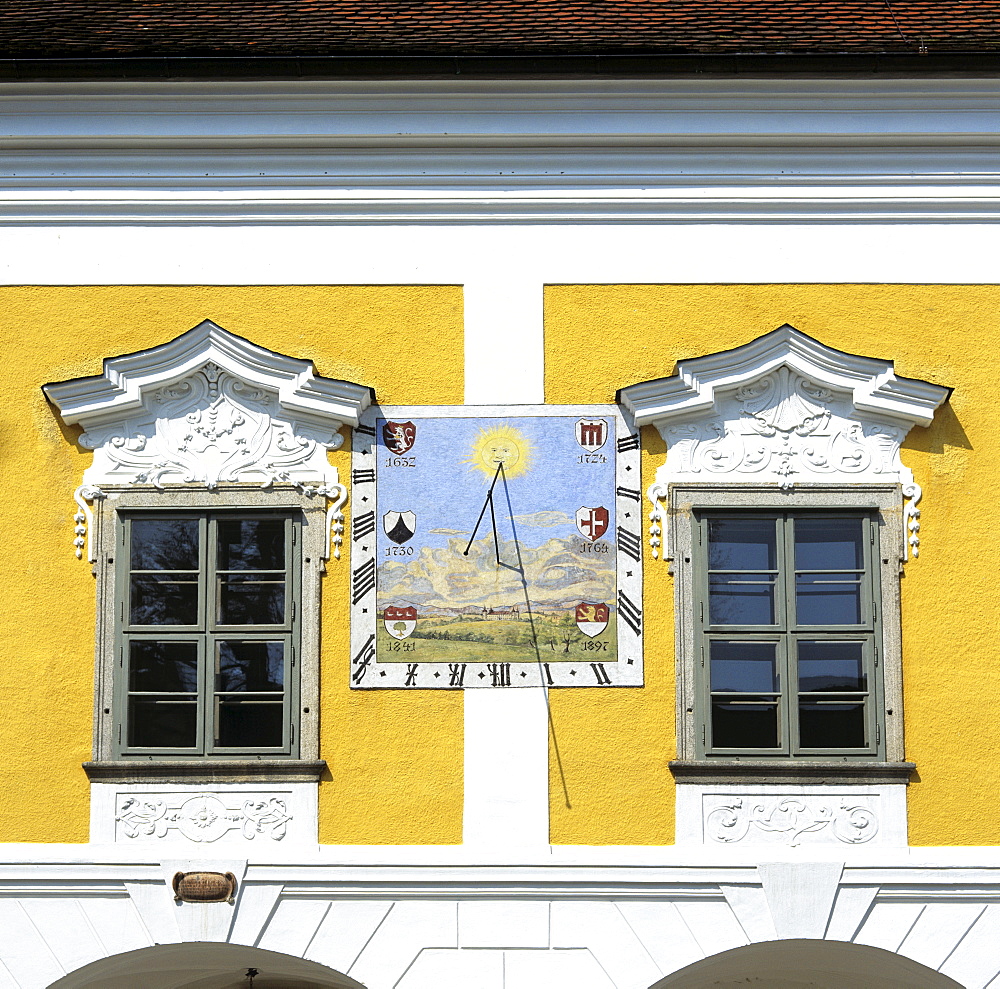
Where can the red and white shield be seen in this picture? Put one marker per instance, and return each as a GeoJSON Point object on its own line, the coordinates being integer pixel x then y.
{"type": "Point", "coordinates": [399, 622]}
{"type": "Point", "coordinates": [591, 434]}
{"type": "Point", "coordinates": [592, 522]}
{"type": "Point", "coordinates": [592, 619]}
{"type": "Point", "coordinates": [398, 436]}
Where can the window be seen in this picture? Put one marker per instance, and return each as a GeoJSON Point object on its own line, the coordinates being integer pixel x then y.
{"type": "Point", "coordinates": [207, 613]}
{"type": "Point", "coordinates": [788, 634]}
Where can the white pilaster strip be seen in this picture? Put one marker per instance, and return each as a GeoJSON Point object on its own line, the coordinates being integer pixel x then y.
{"type": "Point", "coordinates": [504, 360]}
{"type": "Point", "coordinates": [506, 731]}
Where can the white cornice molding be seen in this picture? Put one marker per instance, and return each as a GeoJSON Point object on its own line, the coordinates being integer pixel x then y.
{"type": "Point", "coordinates": [123, 388]}
{"type": "Point", "coordinates": [114, 206]}
{"type": "Point", "coordinates": [208, 409]}
{"type": "Point", "coordinates": [784, 410]}
{"type": "Point", "coordinates": [457, 151]}
{"type": "Point", "coordinates": [872, 383]}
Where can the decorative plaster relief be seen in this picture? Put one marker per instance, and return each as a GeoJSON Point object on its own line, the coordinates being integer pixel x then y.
{"type": "Point", "coordinates": [201, 817]}
{"type": "Point", "coordinates": [851, 819]}
{"type": "Point", "coordinates": [785, 428]}
{"type": "Point", "coordinates": [207, 428]}
{"type": "Point", "coordinates": [783, 410]}
{"type": "Point", "coordinates": [205, 409]}
{"type": "Point", "coordinates": [791, 814]}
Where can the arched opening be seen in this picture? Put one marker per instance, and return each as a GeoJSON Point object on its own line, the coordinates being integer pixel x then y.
{"type": "Point", "coordinates": [204, 965]}
{"type": "Point", "coordinates": [801, 964]}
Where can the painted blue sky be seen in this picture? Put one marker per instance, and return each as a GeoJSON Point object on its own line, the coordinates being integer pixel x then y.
{"type": "Point", "coordinates": [446, 492]}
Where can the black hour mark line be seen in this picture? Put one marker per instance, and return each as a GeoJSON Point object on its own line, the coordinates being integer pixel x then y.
{"type": "Point", "coordinates": [630, 613]}
{"type": "Point", "coordinates": [500, 672]}
{"type": "Point", "coordinates": [627, 443]}
{"type": "Point", "coordinates": [363, 580]}
{"type": "Point", "coordinates": [629, 543]}
{"type": "Point", "coordinates": [362, 660]}
{"type": "Point", "coordinates": [364, 525]}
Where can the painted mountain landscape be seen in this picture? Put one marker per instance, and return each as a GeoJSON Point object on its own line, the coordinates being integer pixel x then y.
{"type": "Point", "coordinates": [469, 609]}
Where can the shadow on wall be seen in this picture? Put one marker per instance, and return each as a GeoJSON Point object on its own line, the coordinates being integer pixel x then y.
{"type": "Point", "coordinates": [799, 964]}
{"type": "Point", "coordinates": [204, 965]}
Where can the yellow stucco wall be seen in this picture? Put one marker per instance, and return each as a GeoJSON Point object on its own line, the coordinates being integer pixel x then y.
{"type": "Point", "coordinates": [394, 759]}
{"type": "Point", "coordinates": [615, 745]}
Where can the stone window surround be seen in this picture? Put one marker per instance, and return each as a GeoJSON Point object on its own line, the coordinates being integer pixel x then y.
{"type": "Point", "coordinates": [684, 501]}
{"type": "Point", "coordinates": [106, 526]}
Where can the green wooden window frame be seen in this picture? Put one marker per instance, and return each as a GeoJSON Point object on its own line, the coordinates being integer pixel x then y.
{"type": "Point", "coordinates": [208, 607]}
{"type": "Point", "coordinates": [787, 638]}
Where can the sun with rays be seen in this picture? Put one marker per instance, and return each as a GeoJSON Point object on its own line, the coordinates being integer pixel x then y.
{"type": "Point", "coordinates": [501, 445]}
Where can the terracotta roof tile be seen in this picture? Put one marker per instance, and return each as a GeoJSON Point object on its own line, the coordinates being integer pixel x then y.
{"type": "Point", "coordinates": [137, 28]}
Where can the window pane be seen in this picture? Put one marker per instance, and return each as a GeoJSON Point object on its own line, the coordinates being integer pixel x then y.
{"type": "Point", "coordinates": [827, 666]}
{"type": "Point", "coordinates": [251, 666]}
{"type": "Point", "coordinates": [250, 599]}
{"type": "Point", "coordinates": [828, 599]}
{"type": "Point", "coordinates": [744, 725]}
{"type": "Point", "coordinates": [829, 544]}
{"type": "Point", "coordinates": [163, 666]}
{"type": "Point", "coordinates": [744, 667]}
{"type": "Point", "coordinates": [248, 723]}
{"type": "Point", "coordinates": [163, 599]}
{"type": "Point", "coordinates": [245, 544]}
{"type": "Point", "coordinates": [165, 544]}
{"type": "Point", "coordinates": [832, 726]}
{"type": "Point", "coordinates": [741, 544]}
{"type": "Point", "coordinates": [162, 723]}
{"type": "Point", "coordinates": [741, 599]}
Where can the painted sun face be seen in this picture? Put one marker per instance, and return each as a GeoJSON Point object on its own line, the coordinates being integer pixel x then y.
{"type": "Point", "coordinates": [500, 445]}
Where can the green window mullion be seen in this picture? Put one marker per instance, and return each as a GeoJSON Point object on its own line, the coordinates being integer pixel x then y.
{"type": "Point", "coordinates": [205, 637]}
{"type": "Point", "coordinates": [216, 575]}
{"type": "Point", "coordinates": [215, 697]}
{"type": "Point", "coordinates": [786, 565]}
{"type": "Point", "coordinates": [126, 694]}
{"type": "Point", "coordinates": [867, 698]}
{"type": "Point", "coordinates": [863, 575]}
{"type": "Point", "coordinates": [858, 711]}
{"type": "Point", "coordinates": [211, 582]}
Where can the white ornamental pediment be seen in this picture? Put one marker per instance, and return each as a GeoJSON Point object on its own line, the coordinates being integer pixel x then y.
{"type": "Point", "coordinates": [205, 409]}
{"type": "Point", "coordinates": [784, 410]}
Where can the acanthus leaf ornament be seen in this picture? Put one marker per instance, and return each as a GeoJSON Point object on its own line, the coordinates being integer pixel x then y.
{"type": "Point", "coordinates": [783, 410]}
{"type": "Point", "coordinates": [788, 819]}
{"type": "Point", "coordinates": [209, 409]}
{"type": "Point", "coordinates": [200, 817]}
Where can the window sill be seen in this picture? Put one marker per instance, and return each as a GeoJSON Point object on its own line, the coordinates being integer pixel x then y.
{"type": "Point", "coordinates": [791, 771]}
{"type": "Point", "coordinates": [206, 771]}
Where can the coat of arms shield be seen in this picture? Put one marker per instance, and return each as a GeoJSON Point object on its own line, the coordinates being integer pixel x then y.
{"type": "Point", "coordinates": [398, 436]}
{"type": "Point", "coordinates": [592, 619]}
{"type": "Point", "coordinates": [592, 522]}
{"type": "Point", "coordinates": [399, 526]}
{"type": "Point", "coordinates": [399, 622]}
{"type": "Point", "coordinates": [591, 434]}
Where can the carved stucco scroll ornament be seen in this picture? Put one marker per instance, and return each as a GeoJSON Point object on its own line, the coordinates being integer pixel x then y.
{"type": "Point", "coordinates": [783, 410]}
{"type": "Point", "coordinates": [206, 409]}
{"type": "Point", "coordinates": [202, 817]}
{"type": "Point", "coordinates": [791, 820]}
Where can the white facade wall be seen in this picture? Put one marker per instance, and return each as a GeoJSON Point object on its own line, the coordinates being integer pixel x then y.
{"type": "Point", "coordinates": [501, 188]}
